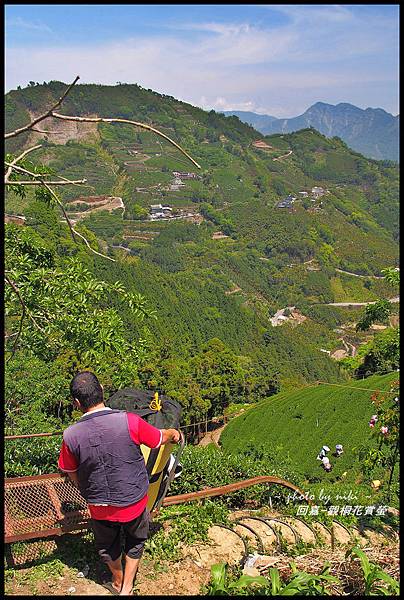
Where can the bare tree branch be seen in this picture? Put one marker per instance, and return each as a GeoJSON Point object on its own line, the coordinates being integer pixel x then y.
{"type": "Point", "coordinates": [136, 123]}
{"type": "Point", "coordinates": [92, 249]}
{"type": "Point", "coordinates": [73, 182]}
{"type": "Point", "coordinates": [15, 161]}
{"type": "Point", "coordinates": [46, 184]}
{"type": "Point", "coordinates": [41, 117]}
{"type": "Point", "coordinates": [45, 131]}
{"type": "Point", "coordinates": [67, 182]}
{"type": "Point", "coordinates": [39, 177]}
{"type": "Point", "coordinates": [24, 312]}
{"type": "Point", "coordinates": [41, 181]}
{"type": "Point", "coordinates": [62, 208]}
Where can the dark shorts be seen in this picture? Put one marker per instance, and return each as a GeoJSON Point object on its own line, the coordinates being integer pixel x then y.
{"type": "Point", "coordinates": [107, 536]}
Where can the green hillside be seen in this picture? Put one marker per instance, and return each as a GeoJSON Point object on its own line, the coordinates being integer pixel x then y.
{"type": "Point", "coordinates": [201, 283]}
{"type": "Point", "coordinates": [298, 424]}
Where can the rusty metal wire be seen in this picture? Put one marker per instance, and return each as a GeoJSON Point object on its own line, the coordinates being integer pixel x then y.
{"type": "Point", "coordinates": [42, 506]}
{"type": "Point", "coordinates": [216, 420]}
{"type": "Point", "coordinates": [22, 553]}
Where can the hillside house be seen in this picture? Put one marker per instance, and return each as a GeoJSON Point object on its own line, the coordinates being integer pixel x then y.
{"type": "Point", "coordinates": [177, 184]}
{"type": "Point", "coordinates": [181, 175]}
{"type": "Point", "coordinates": [292, 315]}
{"type": "Point", "coordinates": [303, 194]}
{"type": "Point", "coordinates": [317, 192]}
{"type": "Point", "coordinates": [286, 202]}
{"type": "Point", "coordinates": [158, 211]}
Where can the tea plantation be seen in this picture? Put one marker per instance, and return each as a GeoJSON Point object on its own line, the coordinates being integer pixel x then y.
{"type": "Point", "coordinates": [296, 425]}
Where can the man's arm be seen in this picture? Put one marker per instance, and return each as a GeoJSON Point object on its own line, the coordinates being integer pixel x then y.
{"type": "Point", "coordinates": [73, 477]}
{"type": "Point", "coordinates": [67, 464]}
{"type": "Point", "coordinates": [142, 432]}
{"type": "Point", "coordinates": [170, 435]}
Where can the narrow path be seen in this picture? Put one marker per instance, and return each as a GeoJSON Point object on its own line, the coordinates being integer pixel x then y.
{"type": "Point", "coordinates": [212, 437]}
{"type": "Point", "coordinates": [357, 275]}
{"type": "Point", "coordinates": [392, 300]}
{"type": "Point", "coordinates": [121, 247]}
{"type": "Point", "coordinates": [283, 155]}
{"type": "Point", "coordinates": [350, 348]}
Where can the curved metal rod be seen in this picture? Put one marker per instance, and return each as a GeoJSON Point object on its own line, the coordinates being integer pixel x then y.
{"type": "Point", "coordinates": [276, 534]}
{"type": "Point", "coordinates": [244, 557]}
{"type": "Point", "coordinates": [343, 526]}
{"type": "Point", "coordinates": [395, 533]}
{"type": "Point", "coordinates": [295, 533]}
{"type": "Point", "coordinates": [232, 487]}
{"type": "Point", "coordinates": [388, 537]}
{"type": "Point", "coordinates": [318, 536]}
{"type": "Point", "coordinates": [259, 541]}
{"type": "Point", "coordinates": [307, 525]}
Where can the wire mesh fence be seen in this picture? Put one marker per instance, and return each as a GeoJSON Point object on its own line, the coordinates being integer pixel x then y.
{"type": "Point", "coordinates": [41, 506]}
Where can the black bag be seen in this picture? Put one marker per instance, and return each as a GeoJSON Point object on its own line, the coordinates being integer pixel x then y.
{"type": "Point", "coordinates": [161, 412]}
{"type": "Point", "coordinates": [144, 404]}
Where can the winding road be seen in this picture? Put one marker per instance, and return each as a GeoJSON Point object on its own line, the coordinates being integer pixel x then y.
{"type": "Point", "coordinates": [357, 275]}
{"type": "Point", "coordinates": [392, 300]}
{"type": "Point", "coordinates": [283, 155]}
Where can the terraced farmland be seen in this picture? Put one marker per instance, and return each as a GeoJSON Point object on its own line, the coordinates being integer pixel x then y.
{"type": "Point", "coordinates": [297, 424]}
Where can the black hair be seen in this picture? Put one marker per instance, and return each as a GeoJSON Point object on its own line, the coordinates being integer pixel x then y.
{"type": "Point", "coordinates": [86, 388]}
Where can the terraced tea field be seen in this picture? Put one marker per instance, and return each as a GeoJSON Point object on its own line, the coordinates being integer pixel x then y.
{"type": "Point", "coordinates": [297, 424]}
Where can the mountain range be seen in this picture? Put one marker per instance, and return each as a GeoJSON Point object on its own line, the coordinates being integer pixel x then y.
{"type": "Point", "coordinates": [373, 132]}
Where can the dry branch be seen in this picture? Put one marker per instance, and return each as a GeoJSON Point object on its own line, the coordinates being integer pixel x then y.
{"type": "Point", "coordinates": [75, 182]}
{"type": "Point", "coordinates": [92, 249]}
{"type": "Point", "coordinates": [41, 117]}
{"type": "Point", "coordinates": [38, 176]}
{"type": "Point", "coordinates": [46, 184]}
{"type": "Point", "coordinates": [16, 160]}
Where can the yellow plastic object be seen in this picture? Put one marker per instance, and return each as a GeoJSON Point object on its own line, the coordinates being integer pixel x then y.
{"type": "Point", "coordinates": [156, 460]}
{"type": "Point", "coordinates": [155, 404]}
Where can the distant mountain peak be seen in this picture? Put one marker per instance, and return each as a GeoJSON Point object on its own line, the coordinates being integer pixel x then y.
{"type": "Point", "coordinates": [372, 131]}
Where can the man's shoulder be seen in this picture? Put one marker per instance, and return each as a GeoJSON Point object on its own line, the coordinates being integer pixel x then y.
{"type": "Point", "coordinates": [71, 429]}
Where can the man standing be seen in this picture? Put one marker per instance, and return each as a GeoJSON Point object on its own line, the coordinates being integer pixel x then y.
{"type": "Point", "coordinates": [101, 454]}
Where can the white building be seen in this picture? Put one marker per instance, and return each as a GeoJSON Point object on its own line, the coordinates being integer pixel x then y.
{"type": "Point", "coordinates": [158, 211]}
{"type": "Point", "coordinates": [317, 192]}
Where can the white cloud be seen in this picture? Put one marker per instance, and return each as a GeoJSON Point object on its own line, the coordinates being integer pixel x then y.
{"type": "Point", "coordinates": [220, 28]}
{"type": "Point", "coordinates": [315, 13]}
{"type": "Point", "coordinates": [221, 104]}
{"type": "Point", "coordinates": [234, 66]}
{"type": "Point", "coordinates": [31, 25]}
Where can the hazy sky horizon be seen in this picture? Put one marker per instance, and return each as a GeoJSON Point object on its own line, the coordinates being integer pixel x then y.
{"type": "Point", "coordinates": [269, 59]}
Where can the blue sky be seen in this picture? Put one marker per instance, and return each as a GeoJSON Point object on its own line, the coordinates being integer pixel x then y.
{"type": "Point", "coordinates": [272, 59]}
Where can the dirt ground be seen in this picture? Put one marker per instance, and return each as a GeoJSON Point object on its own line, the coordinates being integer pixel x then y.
{"type": "Point", "coordinates": [212, 437]}
{"type": "Point", "coordinates": [154, 579]}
